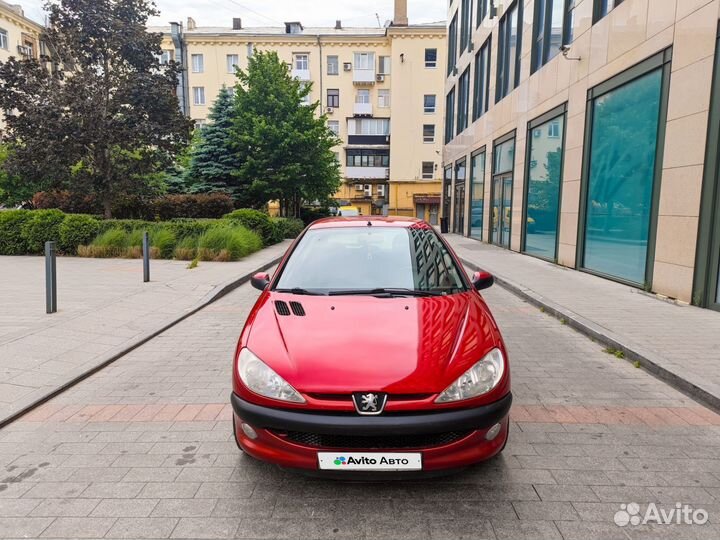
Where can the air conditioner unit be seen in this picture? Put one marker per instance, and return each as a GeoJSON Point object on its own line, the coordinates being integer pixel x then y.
{"type": "Point", "coordinates": [380, 78]}
{"type": "Point", "coordinates": [329, 110]}
{"type": "Point", "coordinates": [368, 190]}
{"type": "Point", "coordinates": [358, 187]}
{"type": "Point", "coordinates": [347, 66]}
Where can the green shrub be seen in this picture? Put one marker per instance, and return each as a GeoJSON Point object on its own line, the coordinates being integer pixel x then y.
{"type": "Point", "coordinates": [164, 241]}
{"type": "Point", "coordinates": [135, 238]}
{"type": "Point", "coordinates": [43, 226]}
{"type": "Point", "coordinates": [184, 227]}
{"type": "Point", "coordinates": [256, 221]}
{"type": "Point", "coordinates": [11, 238]}
{"type": "Point", "coordinates": [114, 238]}
{"type": "Point", "coordinates": [228, 244]}
{"type": "Point", "coordinates": [290, 227]}
{"type": "Point", "coordinates": [128, 225]}
{"type": "Point", "coordinates": [77, 230]}
{"type": "Point", "coordinates": [186, 249]}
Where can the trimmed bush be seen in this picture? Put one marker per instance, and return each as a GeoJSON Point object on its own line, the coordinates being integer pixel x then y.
{"type": "Point", "coordinates": [12, 241]}
{"type": "Point", "coordinates": [43, 226]}
{"type": "Point", "coordinates": [228, 244]}
{"type": "Point", "coordinates": [256, 221]}
{"type": "Point", "coordinates": [77, 230]}
{"type": "Point", "coordinates": [209, 205]}
{"type": "Point", "coordinates": [67, 202]}
{"type": "Point", "coordinates": [289, 227]}
{"type": "Point", "coordinates": [164, 241]}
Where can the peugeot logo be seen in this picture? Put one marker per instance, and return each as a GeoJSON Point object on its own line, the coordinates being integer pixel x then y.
{"type": "Point", "coordinates": [369, 403]}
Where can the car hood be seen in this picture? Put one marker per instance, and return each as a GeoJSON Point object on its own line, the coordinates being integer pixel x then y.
{"type": "Point", "coordinates": [361, 343]}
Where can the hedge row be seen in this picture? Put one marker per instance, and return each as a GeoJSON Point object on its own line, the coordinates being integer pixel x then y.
{"type": "Point", "coordinates": [204, 205]}
{"type": "Point", "coordinates": [24, 232]}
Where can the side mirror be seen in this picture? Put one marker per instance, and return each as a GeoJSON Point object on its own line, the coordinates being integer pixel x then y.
{"type": "Point", "coordinates": [260, 281]}
{"type": "Point", "coordinates": [482, 280]}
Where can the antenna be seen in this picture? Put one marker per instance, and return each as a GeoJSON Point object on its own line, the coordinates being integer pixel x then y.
{"type": "Point", "coordinates": [378, 20]}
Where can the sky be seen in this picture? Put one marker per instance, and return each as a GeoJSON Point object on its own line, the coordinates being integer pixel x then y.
{"type": "Point", "coordinates": [275, 12]}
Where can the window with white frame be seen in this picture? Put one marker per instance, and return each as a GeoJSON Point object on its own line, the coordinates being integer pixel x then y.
{"type": "Point", "coordinates": [364, 60]}
{"type": "Point", "coordinates": [430, 58]}
{"type": "Point", "coordinates": [383, 99]}
{"type": "Point", "coordinates": [429, 103]}
{"type": "Point", "coordinates": [233, 61]}
{"type": "Point", "coordinates": [333, 65]}
{"type": "Point", "coordinates": [362, 96]}
{"type": "Point", "coordinates": [4, 41]}
{"type": "Point", "coordinates": [302, 62]}
{"type": "Point", "coordinates": [554, 129]}
{"type": "Point", "coordinates": [369, 126]}
{"type": "Point", "coordinates": [165, 58]}
{"type": "Point", "coordinates": [200, 124]}
{"type": "Point", "coordinates": [334, 126]}
{"type": "Point", "coordinates": [428, 170]}
{"type": "Point", "coordinates": [199, 95]}
{"type": "Point", "coordinates": [428, 133]}
{"type": "Point", "coordinates": [198, 63]}
{"type": "Point", "coordinates": [384, 65]}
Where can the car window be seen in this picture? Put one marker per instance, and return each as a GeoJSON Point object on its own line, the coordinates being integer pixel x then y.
{"type": "Point", "coordinates": [373, 257]}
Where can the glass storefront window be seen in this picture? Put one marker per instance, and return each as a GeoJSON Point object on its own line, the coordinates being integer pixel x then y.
{"type": "Point", "coordinates": [504, 157]}
{"type": "Point", "coordinates": [477, 195]}
{"type": "Point", "coordinates": [621, 176]}
{"type": "Point", "coordinates": [460, 170]}
{"type": "Point", "coordinates": [543, 195]}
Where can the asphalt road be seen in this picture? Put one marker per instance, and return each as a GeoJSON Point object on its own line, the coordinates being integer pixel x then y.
{"type": "Point", "coordinates": [144, 449]}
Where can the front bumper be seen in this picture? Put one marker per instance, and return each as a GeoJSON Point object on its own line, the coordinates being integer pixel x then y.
{"type": "Point", "coordinates": [471, 448]}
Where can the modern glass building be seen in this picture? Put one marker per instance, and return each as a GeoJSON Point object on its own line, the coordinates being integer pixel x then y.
{"type": "Point", "coordinates": [589, 137]}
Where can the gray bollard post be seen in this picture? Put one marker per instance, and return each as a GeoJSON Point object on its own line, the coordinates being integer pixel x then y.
{"type": "Point", "coordinates": [50, 278]}
{"type": "Point", "coordinates": [146, 257]}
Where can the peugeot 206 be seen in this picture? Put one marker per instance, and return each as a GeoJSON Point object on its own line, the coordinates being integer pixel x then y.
{"type": "Point", "coordinates": [370, 349]}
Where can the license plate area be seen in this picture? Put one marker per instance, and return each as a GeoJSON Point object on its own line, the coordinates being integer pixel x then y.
{"type": "Point", "coordinates": [370, 461]}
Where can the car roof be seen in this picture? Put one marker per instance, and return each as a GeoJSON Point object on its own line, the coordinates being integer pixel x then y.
{"type": "Point", "coordinates": [363, 221]}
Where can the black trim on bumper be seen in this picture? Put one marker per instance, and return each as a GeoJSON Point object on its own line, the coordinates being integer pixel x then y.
{"type": "Point", "coordinates": [386, 424]}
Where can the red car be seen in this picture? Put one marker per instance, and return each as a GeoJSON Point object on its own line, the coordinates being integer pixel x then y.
{"type": "Point", "coordinates": [371, 350]}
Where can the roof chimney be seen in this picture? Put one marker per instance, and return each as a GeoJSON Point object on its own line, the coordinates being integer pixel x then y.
{"type": "Point", "coordinates": [338, 25]}
{"type": "Point", "coordinates": [401, 17]}
{"type": "Point", "coordinates": [191, 25]}
{"type": "Point", "coordinates": [237, 23]}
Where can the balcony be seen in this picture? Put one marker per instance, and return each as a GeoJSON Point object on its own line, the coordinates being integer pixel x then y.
{"type": "Point", "coordinates": [363, 109]}
{"type": "Point", "coordinates": [364, 76]}
{"type": "Point", "coordinates": [367, 173]}
{"type": "Point", "coordinates": [301, 74]}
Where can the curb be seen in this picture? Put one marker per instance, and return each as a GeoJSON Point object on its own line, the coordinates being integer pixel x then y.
{"type": "Point", "coordinates": [633, 352]}
{"type": "Point", "coordinates": [214, 295]}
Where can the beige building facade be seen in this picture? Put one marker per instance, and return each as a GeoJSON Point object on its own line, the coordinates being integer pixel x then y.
{"type": "Point", "coordinates": [585, 132]}
{"type": "Point", "coordinates": [381, 90]}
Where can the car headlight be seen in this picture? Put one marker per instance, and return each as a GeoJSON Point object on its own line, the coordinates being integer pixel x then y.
{"type": "Point", "coordinates": [478, 380]}
{"type": "Point", "coordinates": [258, 377]}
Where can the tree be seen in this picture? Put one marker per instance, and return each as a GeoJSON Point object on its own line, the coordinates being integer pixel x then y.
{"type": "Point", "coordinates": [213, 163]}
{"type": "Point", "coordinates": [104, 120]}
{"type": "Point", "coordinates": [284, 149]}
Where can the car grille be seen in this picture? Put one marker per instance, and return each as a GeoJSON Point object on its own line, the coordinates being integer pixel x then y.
{"type": "Point", "coordinates": [318, 440]}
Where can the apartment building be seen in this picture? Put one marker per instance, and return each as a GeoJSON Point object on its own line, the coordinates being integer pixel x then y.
{"type": "Point", "coordinates": [19, 37]}
{"type": "Point", "coordinates": [586, 132]}
{"type": "Point", "coordinates": [381, 89]}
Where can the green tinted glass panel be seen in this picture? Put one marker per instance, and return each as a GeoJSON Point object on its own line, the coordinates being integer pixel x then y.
{"type": "Point", "coordinates": [543, 198]}
{"type": "Point", "coordinates": [504, 157]}
{"type": "Point", "coordinates": [477, 202]}
{"type": "Point", "coordinates": [622, 169]}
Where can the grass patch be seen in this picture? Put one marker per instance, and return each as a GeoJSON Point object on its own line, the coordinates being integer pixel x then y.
{"type": "Point", "coordinates": [227, 244]}
{"type": "Point", "coordinates": [615, 352]}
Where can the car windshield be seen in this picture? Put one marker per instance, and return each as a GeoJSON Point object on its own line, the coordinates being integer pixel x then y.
{"type": "Point", "coordinates": [371, 259]}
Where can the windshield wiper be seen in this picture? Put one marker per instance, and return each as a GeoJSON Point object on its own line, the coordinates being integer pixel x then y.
{"type": "Point", "coordinates": [387, 292]}
{"type": "Point", "coordinates": [298, 290]}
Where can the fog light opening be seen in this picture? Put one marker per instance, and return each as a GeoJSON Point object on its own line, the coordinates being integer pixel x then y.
{"type": "Point", "coordinates": [492, 432]}
{"type": "Point", "coordinates": [248, 431]}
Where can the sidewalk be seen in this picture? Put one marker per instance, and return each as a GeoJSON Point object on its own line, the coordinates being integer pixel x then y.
{"type": "Point", "coordinates": [105, 310]}
{"type": "Point", "coordinates": [678, 343]}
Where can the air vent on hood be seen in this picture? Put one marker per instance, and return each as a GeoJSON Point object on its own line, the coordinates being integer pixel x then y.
{"type": "Point", "coordinates": [297, 309]}
{"type": "Point", "coordinates": [282, 308]}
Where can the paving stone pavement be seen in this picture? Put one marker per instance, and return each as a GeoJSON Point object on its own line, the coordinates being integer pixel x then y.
{"type": "Point", "coordinates": [104, 308]}
{"type": "Point", "coordinates": [144, 449]}
{"type": "Point", "coordinates": [680, 342]}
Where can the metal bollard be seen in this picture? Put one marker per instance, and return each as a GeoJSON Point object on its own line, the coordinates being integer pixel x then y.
{"type": "Point", "coordinates": [146, 257]}
{"type": "Point", "coordinates": [50, 278]}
